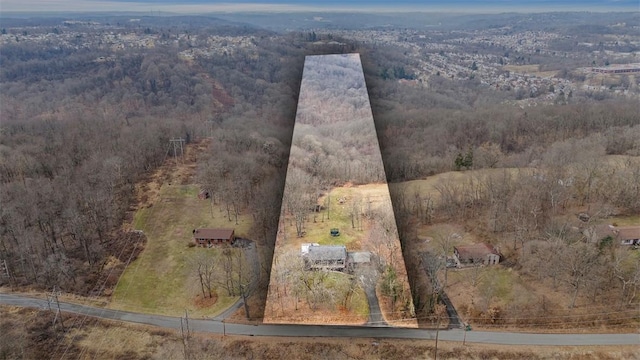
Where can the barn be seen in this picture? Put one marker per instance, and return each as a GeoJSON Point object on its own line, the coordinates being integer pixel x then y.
{"type": "Point", "coordinates": [476, 254]}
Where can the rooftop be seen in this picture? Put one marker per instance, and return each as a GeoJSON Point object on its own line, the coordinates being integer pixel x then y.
{"type": "Point", "coordinates": [213, 233]}
{"type": "Point", "coordinates": [327, 252]}
{"type": "Point", "coordinates": [627, 232]}
{"type": "Point", "coordinates": [475, 251]}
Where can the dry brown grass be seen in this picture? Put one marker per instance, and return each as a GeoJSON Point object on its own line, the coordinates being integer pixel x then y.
{"type": "Point", "coordinates": [27, 334]}
{"type": "Point", "coordinates": [537, 301]}
{"type": "Point", "coordinates": [171, 172]}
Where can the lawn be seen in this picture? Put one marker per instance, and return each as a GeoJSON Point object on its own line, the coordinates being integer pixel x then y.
{"type": "Point", "coordinates": [284, 309]}
{"type": "Point", "coordinates": [484, 287]}
{"type": "Point", "coordinates": [162, 280]}
{"type": "Point", "coordinates": [337, 216]}
{"type": "Point", "coordinates": [623, 220]}
{"type": "Point", "coordinates": [357, 304]}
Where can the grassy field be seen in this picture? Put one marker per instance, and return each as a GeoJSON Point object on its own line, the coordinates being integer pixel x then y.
{"type": "Point", "coordinates": [357, 304]}
{"type": "Point", "coordinates": [337, 216]}
{"type": "Point", "coordinates": [429, 186]}
{"type": "Point", "coordinates": [485, 287]}
{"type": "Point", "coordinates": [529, 69]}
{"type": "Point", "coordinates": [162, 280]}
{"type": "Point", "coordinates": [284, 310]}
{"type": "Point", "coordinates": [623, 220]}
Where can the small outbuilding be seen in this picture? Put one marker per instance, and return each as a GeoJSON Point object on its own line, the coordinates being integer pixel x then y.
{"type": "Point", "coordinates": [357, 258]}
{"type": "Point", "coordinates": [213, 237]}
{"type": "Point", "coordinates": [476, 254]}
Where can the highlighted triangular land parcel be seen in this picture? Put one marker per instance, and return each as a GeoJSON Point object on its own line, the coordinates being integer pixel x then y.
{"type": "Point", "coordinates": [337, 257]}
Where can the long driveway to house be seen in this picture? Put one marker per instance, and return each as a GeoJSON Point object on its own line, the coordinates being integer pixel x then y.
{"type": "Point", "coordinates": [217, 327]}
{"type": "Point", "coordinates": [369, 280]}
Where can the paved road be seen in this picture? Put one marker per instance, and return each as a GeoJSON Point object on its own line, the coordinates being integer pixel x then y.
{"type": "Point", "coordinates": [225, 314]}
{"type": "Point", "coordinates": [213, 326]}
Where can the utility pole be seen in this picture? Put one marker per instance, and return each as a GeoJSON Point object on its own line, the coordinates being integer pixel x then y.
{"type": "Point", "coordinates": [49, 299]}
{"type": "Point", "coordinates": [437, 332]}
{"type": "Point", "coordinates": [4, 268]}
{"type": "Point", "coordinates": [186, 335]}
{"type": "Point", "coordinates": [177, 144]}
{"type": "Point", "coordinates": [467, 327]}
{"type": "Point", "coordinates": [54, 297]}
{"type": "Point", "coordinates": [211, 122]}
{"type": "Point", "coordinates": [464, 339]}
{"type": "Point", "coordinates": [243, 291]}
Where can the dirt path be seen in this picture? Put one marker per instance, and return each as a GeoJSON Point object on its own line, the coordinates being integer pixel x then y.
{"type": "Point", "coordinates": [173, 171]}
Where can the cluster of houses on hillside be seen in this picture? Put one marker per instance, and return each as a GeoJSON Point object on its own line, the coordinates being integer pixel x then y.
{"type": "Point", "coordinates": [617, 69]}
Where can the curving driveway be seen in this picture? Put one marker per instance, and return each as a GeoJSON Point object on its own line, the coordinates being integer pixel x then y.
{"type": "Point", "coordinates": [217, 327]}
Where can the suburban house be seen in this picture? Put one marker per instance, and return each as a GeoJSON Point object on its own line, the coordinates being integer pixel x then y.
{"type": "Point", "coordinates": [326, 257]}
{"type": "Point", "coordinates": [622, 235]}
{"type": "Point", "coordinates": [627, 235]}
{"type": "Point", "coordinates": [212, 237]}
{"type": "Point", "coordinates": [476, 254]}
{"type": "Point", "coordinates": [332, 257]}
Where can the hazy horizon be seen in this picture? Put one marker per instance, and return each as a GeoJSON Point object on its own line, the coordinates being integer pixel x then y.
{"type": "Point", "coordinates": [208, 6]}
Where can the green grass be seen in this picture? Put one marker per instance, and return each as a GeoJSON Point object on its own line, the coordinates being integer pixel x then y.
{"type": "Point", "coordinates": [498, 282]}
{"type": "Point", "coordinates": [162, 280]}
{"type": "Point", "coordinates": [358, 303]}
{"type": "Point", "coordinates": [319, 232]}
{"type": "Point", "coordinates": [624, 220]}
{"type": "Point", "coordinates": [140, 218]}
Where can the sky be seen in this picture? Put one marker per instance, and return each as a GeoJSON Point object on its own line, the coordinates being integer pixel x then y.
{"type": "Point", "coordinates": [201, 6]}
